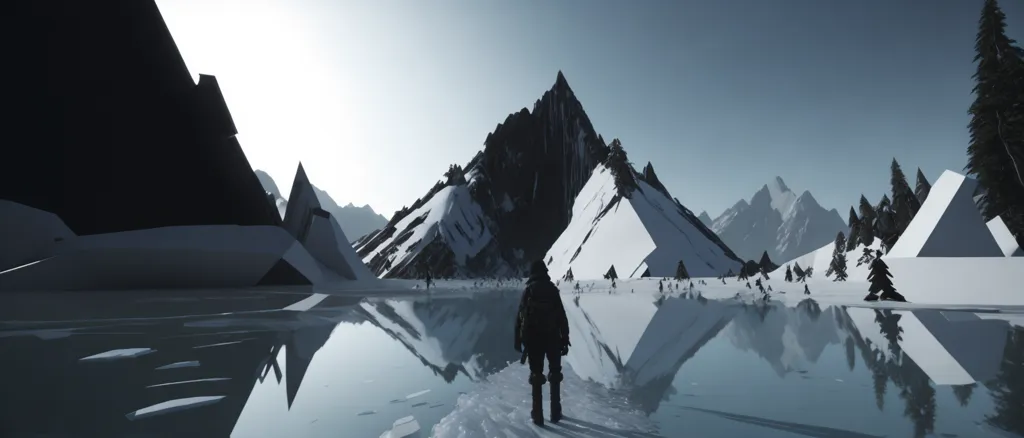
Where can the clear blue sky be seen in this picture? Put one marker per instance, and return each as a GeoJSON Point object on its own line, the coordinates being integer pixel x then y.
{"type": "Point", "coordinates": [376, 98]}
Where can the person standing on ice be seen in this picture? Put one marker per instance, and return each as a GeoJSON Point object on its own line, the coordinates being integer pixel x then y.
{"type": "Point", "coordinates": [542, 331]}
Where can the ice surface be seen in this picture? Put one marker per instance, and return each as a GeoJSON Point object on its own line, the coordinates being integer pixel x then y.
{"type": "Point", "coordinates": [417, 394]}
{"type": "Point", "coordinates": [307, 303]}
{"type": "Point", "coordinates": [1004, 238]}
{"type": "Point", "coordinates": [648, 230]}
{"type": "Point", "coordinates": [452, 215]}
{"type": "Point", "coordinates": [604, 330]}
{"type": "Point", "coordinates": [948, 224]}
{"type": "Point", "coordinates": [185, 364]}
{"type": "Point", "coordinates": [500, 407]}
{"type": "Point", "coordinates": [405, 427]}
{"type": "Point", "coordinates": [122, 353]}
{"type": "Point", "coordinates": [29, 234]}
{"type": "Point", "coordinates": [170, 257]}
{"type": "Point", "coordinates": [173, 406]}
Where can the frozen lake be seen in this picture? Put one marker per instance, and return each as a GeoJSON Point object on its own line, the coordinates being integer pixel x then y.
{"type": "Point", "coordinates": [233, 363]}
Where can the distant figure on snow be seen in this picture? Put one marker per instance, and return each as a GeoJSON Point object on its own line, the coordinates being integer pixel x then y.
{"type": "Point", "coordinates": [428, 279]}
{"type": "Point", "coordinates": [543, 329]}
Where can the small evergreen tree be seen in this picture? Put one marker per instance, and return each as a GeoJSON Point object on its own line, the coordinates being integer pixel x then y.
{"type": "Point", "coordinates": [569, 276]}
{"type": "Point", "coordinates": [867, 222]}
{"type": "Point", "coordinates": [622, 170]}
{"type": "Point", "coordinates": [885, 225]}
{"type": "Point", "coordinates": [681, 273]}
{"type": "Point", "coordinates": [881, 282]}
{"type": "Point", "coordinates": [838, 265]}
{"type": "Point", "coordinates": [789, 274]}
{"type": "Point", "coordinates": [807, 290]}
{"type": "Point", "coordinates": [867, 257]}
{"type": "Point", "coordinates": [922, 188]}
{"type": "Point", "coordinates": [851, 243]}
{"type": "Point", "coordinates": [611, 275]}
{"type": "Point", "coordinates": [661, 286]}
{"type": "Point", "coordinates": [808, 273]}
{"type": "Point", "coordinates": [798, 272]}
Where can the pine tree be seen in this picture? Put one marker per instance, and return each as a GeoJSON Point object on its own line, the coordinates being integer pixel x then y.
{"type": "Point", "coordinates": [867, 222]}
{"type": "Point", "coordinates": [789, 274]}
{"type": "Point", "coordinates": [851, 244]}
{"type": "Point", "coordinates": [618, 163]}
{"type": "Point", "coordinates": [885, 222]}
{"type": "Point", "coordinates": [798, 271]}
{"type": "Point", "coordinates": [996, 149]}
{"type": "Point", "coordinates": [838, 265]}
{"type": "Point", "coordinates": [681, 273]}
{"type": "Point", "coordinates": [807, 290]}
{"type": "Point", "coordinates": [922, 188]}
{"type": "Point", "coordinates": [904, 202]}
{"type": "Point", "coordinates": [569, 276]}
{"type": "Point", "coordinates": [881, 282]}
{"type": "Point", "coordinates": [611, 275]}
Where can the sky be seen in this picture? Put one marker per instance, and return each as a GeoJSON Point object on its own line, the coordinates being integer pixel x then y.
{"type": "Point", "coordinates": [378, 98]}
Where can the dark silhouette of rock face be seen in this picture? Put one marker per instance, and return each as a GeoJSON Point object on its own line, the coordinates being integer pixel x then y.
{"type": "Point", "coordinates": [113, 133]}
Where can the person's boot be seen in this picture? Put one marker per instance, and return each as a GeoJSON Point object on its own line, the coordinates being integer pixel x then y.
{"type": "Point", "coordinates": [556, 397]}
{"type": "Point", "coordinates": [537, 411]}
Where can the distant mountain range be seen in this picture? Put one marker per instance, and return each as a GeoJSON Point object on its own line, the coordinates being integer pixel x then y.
{"type": "Point", "coordinates": [778, 221]}
{"type": "Point", "coordinates": [356, 222]}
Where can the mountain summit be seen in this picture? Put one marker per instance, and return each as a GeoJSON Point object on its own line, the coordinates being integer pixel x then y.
{"type": "Point", "coordinates": [505, 207]}
{"type": "Point", "coordinates": [778, 221]}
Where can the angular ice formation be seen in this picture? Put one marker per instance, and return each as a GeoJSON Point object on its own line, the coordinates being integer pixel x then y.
{"type": "Point", "coordinates": [948, 224]}
{"type": "Point", "coordinates": [405, 427]}
{"type": "Point", "coordinates": [185, 364]}
{"type": "Point", "coordinates": [123, 353]}
{"type": "Point", "coordinates": [1004, 238]}
{"type": "Point", "coordinates": [500, 407]}
{"type": "Point", "coordinates": [29, 234]}
{"type": "Point", "coordinates": [320, 233]}
{"type": "Point", "coordinates": [648, 231]}
{"type": "Point", "coordinates": [173, 406]}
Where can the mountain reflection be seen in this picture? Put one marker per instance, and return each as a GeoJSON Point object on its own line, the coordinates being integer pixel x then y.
{"type": "Point", "coordinates": [637, 347]}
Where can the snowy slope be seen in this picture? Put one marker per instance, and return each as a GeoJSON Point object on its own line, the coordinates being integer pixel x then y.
{"type": "Point", "coordinates": [779, 221]}
{"type": "Point", "coordinates": [1004, 238]}
{"type": "Point", "coordinates": [645, 231]}
{"type": "Point", "coordinates": [450, 218]}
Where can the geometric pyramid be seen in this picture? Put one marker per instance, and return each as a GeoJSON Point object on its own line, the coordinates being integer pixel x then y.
{"type": "Point", "coordinates": [320, 233]}
{"type": "Point", "coordinates": [1004, 238]}
{"type": "Point", "coordinates": [948, 224]}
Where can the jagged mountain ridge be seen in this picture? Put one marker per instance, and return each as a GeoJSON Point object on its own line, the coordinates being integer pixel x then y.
{"type": "Point", "coordinates": [506, 207]}
{"type": "Point", "coordinates": [356, 222]}
{"type": "Point", "coordinates": [778, 221]}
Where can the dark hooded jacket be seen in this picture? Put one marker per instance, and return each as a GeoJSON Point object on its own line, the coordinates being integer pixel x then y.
{"type": "Point", "coordinates": [549, 326]}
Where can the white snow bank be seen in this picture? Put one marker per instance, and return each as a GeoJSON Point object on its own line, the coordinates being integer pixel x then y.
{"type": "Point", "coordinates": [29, 234]}
{"type": "Point", "coordinates": [948, 224]}
{"type": "Point", "coordinates": [977, 281]}
{"type": "Point", "coordinates": [173, 406]}
{"type": "Point", "coordinates": [122, 353]}
{"type": "Point", "coordinates": [500, 407]}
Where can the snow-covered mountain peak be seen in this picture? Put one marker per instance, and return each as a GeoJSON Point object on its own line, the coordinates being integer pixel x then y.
{"type": "Point", "coordinates": [778, 220]}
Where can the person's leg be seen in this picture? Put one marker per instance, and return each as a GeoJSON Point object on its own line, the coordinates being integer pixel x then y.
{"type": "Point", "coordinates": [536, 359]}
{"type": "Point", "coordinates": [554, 355]}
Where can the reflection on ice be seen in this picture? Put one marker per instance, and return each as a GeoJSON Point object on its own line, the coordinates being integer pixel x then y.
{"type": "Point", "coordinates": [173, 406]}
{"type": "Point", "coordinates": [121, 353]}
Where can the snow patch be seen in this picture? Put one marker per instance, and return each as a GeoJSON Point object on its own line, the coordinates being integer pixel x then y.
{"type": "Point", "coordinates": [121, 353]}
{"type": "Point", "coordinates": [173, 406]}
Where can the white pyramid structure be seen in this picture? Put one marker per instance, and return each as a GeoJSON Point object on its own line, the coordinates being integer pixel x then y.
{"type": "Point", "coordinates": [948, 224]}
{"type": "Point", "coordinates": [1004, 238]}
{"type": "Point", "coordinates": [320, 232]}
